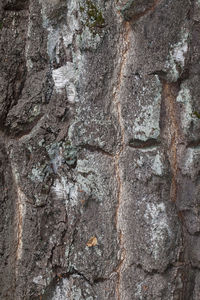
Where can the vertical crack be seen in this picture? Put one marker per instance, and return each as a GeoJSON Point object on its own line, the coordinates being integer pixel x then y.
{"type": "Point", "coordinates": [20, 214]}
{"type": "Point", "coordinates": [174, 139]}
{"type": "Point", "coordinates": [170, 91]}
{"type": "Point", "coordinates": [117, 104]}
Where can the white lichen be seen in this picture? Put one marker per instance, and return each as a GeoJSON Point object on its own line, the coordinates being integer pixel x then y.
{"type": "Point", "coordinates": [39, 280]}
{"type": "Point", "coordinates": [189, 161]}
{"type": "Point", "coordinates": [89, 179]}
{"type": "Point", "coordinates": [158, 167]}
{"type": "Point", "coordinates": [57, 161]}
{"type": "Point", "coordinates": [139, 293]}
{"type": "Point", "coordinates": [37, 174]}
{"type": "Point", "coordinates": [53, 42]}
{"type": "Point", "coordinates": [66, 289]}
{"type": "Point", "coordinates": [176, 58]}
{"type": "Point", "coordinates": [62, 189]}
{"type": "Point", "coordinates": [191, 165]}
{"type": "Point", "coordinates": [146, 123]}
{"type": "Point", "coordinates": [29, 63]}
{"type": "Point", "coordinates": [62, 291]}
{"type": "Point", "coordinates": [185, 98]}
{"type": "Point", "coordinates": [65, 78]}
{"type": "Point", "coordinates": [157, 220]}
{"type": "Point", "coordinates": [88, 40]}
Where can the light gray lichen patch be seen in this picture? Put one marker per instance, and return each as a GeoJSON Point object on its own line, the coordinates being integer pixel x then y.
{"type": "Point", "coordinates": [146, 119]}
{"type": "Point", "coordinates": [176, 59]}
{"type": "Point", "coordinates": [139, 290]}
{"type": "Point", "coordinates": [35, 111]}
{"type": "Point", "coordinates": [62, 290]}
{"type": "Point", "coordinates": [187, 115]}
{"type": "Point", "coordinates": [158, 165]}
{"type": "Point", "coordinates": [64, 79]}
{"type": "Point", "coordinates": [60, 188]}
{"type": "Point", "coordinates": [89, 41]}
{"type": "Point", "coordinates": [61, 153]}
{"type": "Point", "coordinates": [160, 231]}
{"type": "Point", "coordinates": [149, 163]}
{"type": "Point", "coordinates": [63, 189]}
{"type": "Point", "coordinates": [191, 164]}
{"type": "Point", "coordinates": [29, 63]}
{"type": "Point", "coordinates": [39, 280]}
{"type": "Point", "coordinates": [74, 288]}
{"type": "Point", "coordinates": [67, 76]}
{"type": "Point", "coordinates": [93, 129]}
{"type": "Point", "coordinates": [38, 173]}
{"type": "Point", "coordinates": [90, 179]}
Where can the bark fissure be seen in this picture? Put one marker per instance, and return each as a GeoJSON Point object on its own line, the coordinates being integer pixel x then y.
{"type": "Point", "coordinates": [149, 144]}
{"type": "Point", "coordinates": [116, 100]}
{"type": "Point", "coordinates": [147, 11]}
{"type": "Point", "coordinates": [19, 218]}
{"type": "Point", "coordinates": [169, 94]}
{"type": "Point", "coordinates": [175, 140]}
{"type": "Point", "coordinates": [97, 149]}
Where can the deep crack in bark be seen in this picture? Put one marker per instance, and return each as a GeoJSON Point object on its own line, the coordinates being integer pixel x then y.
{"type": "Point", "coordinates": [116, 100]}
{"type": "Point", "coordinates": [175, 138]}
{"type": "Point", "coordinates": [174, 135]}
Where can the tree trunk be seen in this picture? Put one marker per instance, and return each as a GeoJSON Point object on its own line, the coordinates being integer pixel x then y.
{"type": "Point", "coordinates": [100, 149]}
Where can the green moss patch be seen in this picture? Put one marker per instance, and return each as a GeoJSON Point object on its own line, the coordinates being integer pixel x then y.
{"type": "Point", "coordinates": [94, 17]}
{"type": "Point", "coordinates": [196, 114]}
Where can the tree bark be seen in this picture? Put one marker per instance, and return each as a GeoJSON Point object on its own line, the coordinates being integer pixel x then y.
{"type": "Point", "coordinates": [100, 149]}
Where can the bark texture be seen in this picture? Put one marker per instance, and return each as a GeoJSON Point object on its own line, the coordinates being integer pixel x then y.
{"type": "Point", "coordinates": [100, 149]}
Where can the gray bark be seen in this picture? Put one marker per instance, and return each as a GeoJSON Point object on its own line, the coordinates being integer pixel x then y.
{"type": "Point", "coordinates": [100, 149]}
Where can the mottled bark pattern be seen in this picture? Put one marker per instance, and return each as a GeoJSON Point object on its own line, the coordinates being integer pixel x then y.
{"type": "Point", "coordinates": [100, 149]}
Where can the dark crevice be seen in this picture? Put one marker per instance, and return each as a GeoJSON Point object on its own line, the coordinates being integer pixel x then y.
{"type": "Point", "coordinates": [179, 265]}
{"type": "Point", "coordinates": [73, 271]}
{"type": "Point", "coordinates": [86, 174]}
{"type": "Point", "coordinates": [50, 259]}
{"type": "Point", "coordinates": [184, 76]}
{"type": "Point", "coordinates": [26, 130]}
{"type": "Point", "coordinates": [195, 268]}
{"type": "Point", "coordinates": [149, 272]}
{"type": "Point", "coordinates": [139, 144]}
{"type": "Point", "coordinates": [97, 280]}
{"type": "Point", "coordinates": [100, 280]}
{"type": "Point", "coordinates": [194, 144]}
{"type": "Point", "coordinates": [75, 231]}
{"type": "Point", "coordinates": [161, 74]}
{"type": "Point", "coordinates": [48, 86]}
{"type": "Point", "coordinates": [49, 291]}
{"type": "Point", "coordinates": [12, 100]}
{"type": "Point", "coordinates": [92, 148]}
{"type": "Point", "coordinates": [17, 5]}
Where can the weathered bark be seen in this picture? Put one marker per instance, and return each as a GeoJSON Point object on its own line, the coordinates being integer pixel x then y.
{"type": "Point", "coordinates": [100, 149]}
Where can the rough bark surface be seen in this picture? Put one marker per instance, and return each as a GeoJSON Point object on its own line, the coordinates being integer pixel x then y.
{"type": "Point", "coordinates": [99, 149]}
